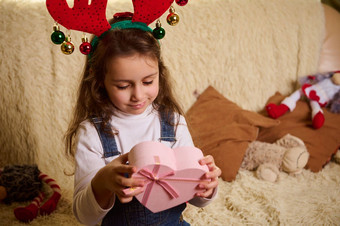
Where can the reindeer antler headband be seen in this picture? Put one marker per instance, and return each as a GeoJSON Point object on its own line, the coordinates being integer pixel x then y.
{"type": "Point", "coordinates": [91, 19]}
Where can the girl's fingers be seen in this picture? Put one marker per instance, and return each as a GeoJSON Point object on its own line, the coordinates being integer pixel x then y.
{"type": "Point", "coordinates": [123, 158]}
{"type": "Point", "coordinates": [217, 171]}
{"type": "Point", "coordinates": [214, 173]}
{"type": "Point", "coordinates": [211, 185]}
{"type": "Point", "coordinates": [126, 195]}
{"type": "Point", "coordinates": [123, 199]}
{"type": "Point", "coordinates": [207, 188]}
{"type": "Point", "coordinates": [125, 170]}
{"type": "Point", "coordinates": [133, 191]}
{"type": "Point", "coordinates": [206, 160]}
{"type": "Point", "coordinates": [132, 182]}
{"type": "Point", "coordinates": [205, 194]}
{"type": "Point", "coordinates": [209, 161]}
{"type": "Point", "coordinates": [124, 180]}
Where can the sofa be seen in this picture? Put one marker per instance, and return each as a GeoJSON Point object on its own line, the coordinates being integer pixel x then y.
{"type": "Point", "coordinates": [239, 53]}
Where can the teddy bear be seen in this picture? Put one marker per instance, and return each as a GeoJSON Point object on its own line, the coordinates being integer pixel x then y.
{"type": "Point", "coordinates": [288, 154]}
{"type": "Point", "coordinates": [20, 183]}
{"type": "Point", "coordinates": [320, 89]}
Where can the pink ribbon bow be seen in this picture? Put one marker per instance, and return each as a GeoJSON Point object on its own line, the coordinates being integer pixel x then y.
{"type": "Point", "coordinates": [159, 180]}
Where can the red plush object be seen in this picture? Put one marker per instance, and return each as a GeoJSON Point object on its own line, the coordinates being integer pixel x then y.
{"type": "Point", "coordinates": [320, 89]}
{"type": "Point", "coordinates": [92, 18]}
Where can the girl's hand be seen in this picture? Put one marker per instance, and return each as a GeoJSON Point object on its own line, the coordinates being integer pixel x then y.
{"type": "Point", "coordinates": [213, 174]}
{"type": "Point", "coordinates": [111, 180]}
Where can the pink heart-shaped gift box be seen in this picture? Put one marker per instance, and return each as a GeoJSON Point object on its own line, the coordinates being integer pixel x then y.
{"type": "Point", "coordinates": [171, 175]}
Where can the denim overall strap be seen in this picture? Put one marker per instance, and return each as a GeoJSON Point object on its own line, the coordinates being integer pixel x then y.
{"type": "Point", "coordinates": [167, 127]}
{"type": "Point", "coordinates": [108, 141]}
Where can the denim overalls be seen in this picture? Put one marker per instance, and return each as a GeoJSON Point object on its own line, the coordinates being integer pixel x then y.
{"type": "Point", "coordinates": [134, 213]}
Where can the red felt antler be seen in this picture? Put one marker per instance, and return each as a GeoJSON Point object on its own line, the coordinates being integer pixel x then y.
{"type": "Point", "coordinates": [147, 11]}
{"type": "Point", "coordinates": [91, 18]}
{"type": "Point", "coordinates": [82, 17]}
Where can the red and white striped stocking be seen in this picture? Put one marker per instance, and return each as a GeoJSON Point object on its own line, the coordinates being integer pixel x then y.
{"type": "Point", "coordinates": [28, 213]}
{"type": "Point", "coordinates": [51, 204]}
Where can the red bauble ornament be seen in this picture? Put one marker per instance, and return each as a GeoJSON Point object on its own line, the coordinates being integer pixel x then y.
{"type": "Point", "coordinates": [181, 2]}
{"type": "Point", "coordinates": [85, 47]}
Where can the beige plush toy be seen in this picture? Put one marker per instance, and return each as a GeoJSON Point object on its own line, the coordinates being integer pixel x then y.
{"type": "Point", "coordinates": [288, 154]}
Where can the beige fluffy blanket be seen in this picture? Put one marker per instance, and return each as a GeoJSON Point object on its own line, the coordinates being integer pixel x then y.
{"type": "Point", "coordinates": [246, 49]}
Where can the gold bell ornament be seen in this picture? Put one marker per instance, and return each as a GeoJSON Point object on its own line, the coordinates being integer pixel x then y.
{"type": "Point", "coordinates": [173, 17]}
{"type": "Point", "coordinates": [67, 46]}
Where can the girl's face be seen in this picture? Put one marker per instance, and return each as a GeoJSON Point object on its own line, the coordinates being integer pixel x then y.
{"type": "Point", "coordinates": [132, 83]}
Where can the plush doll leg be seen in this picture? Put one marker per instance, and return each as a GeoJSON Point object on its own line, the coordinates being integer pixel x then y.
{"type": "Point", "coordinates": [296, 155]}
{"type": "Point", "coordinates": [28, 213]}
{"type": "Point", "coordinates": [275, 111]}
{"type": "Point", "coordinates": [317, 115]}
{"type": "Point", "coordinates": [268, 172]}
{"type": "Point", "coordinates": [294, 160]}
{"type": "Point", "coordinates": [289, 103]}
{"type": "Point", "coordinates": [51, 204]}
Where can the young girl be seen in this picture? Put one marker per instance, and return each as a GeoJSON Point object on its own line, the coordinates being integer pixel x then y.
{"type": "Point", "coordinates": [125, 98]}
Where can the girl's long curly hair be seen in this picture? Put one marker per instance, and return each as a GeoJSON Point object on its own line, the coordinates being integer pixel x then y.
{"type": "Point", "coordinates": [92, 98]}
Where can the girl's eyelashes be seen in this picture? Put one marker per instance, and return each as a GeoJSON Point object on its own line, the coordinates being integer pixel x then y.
{"type": "Point", "coordinates": [148, 82]}
{"type": "Point", "coordinates": [122, 87]}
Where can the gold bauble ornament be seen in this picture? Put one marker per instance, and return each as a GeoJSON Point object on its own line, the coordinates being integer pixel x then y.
{"type": "Point", "coordinates": [173, 17]}
{"type": "Point", "coordinates": [67, 46]}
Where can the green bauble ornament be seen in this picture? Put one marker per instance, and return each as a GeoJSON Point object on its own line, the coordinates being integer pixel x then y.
{"type": "Point", "coordinates": [58, 37]}
{"type": "Point", "coordinates": [158, 32]}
